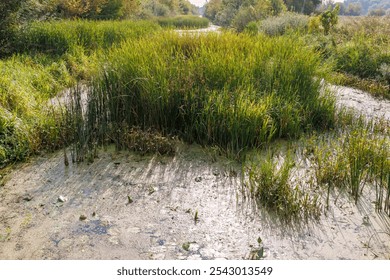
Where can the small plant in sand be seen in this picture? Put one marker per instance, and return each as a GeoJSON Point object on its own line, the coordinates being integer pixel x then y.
{"type": "Point", "coordinates": [354, 159]}
{"type": "Point", "coordinates": [196, 216]}
{"type": "Point", "coordinates": [269, 182]}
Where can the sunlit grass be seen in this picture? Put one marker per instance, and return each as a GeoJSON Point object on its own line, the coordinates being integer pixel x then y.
{"type": "Point", "coordinates": [232, 91]}
{"type": "Point", "coordinates": [183, 22]}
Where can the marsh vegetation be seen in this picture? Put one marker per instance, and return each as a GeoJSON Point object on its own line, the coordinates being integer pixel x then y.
{"type": "Point", "coordinates": [79, 85]}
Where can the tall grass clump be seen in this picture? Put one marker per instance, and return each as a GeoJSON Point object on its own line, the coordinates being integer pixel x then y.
{"type": "Point", "coordinates": [353, 160]}
{"type": "Point", "coordinates": [232, 91]}
{"type": "Point", "coordinates": [269, 180]}
{"type": "Point", "coordinates": [27, 124]}
{"type": "Point", "coordinates": [59, 37]}
{"type": "Point", "coordinates": [183, 22]}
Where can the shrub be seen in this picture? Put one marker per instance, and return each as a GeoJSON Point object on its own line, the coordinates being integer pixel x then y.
{"type": "Point", "coordinates": [358, 58]}
{"type": "Point", "coordinates": [314, 24]}
{"type": "Point", "coordinates": [279, 25]}
{"type": "Point", "coordinates": [329, 18]}
{"type": "Point", "coordinates": [251, 28]}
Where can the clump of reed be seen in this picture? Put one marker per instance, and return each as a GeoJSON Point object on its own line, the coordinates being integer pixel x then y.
{"type": "Point", "coordinates": [269, 180]}
{"type": "Point", "coordinates": [354, 159]}
{"type": "Point", "coordinates": [59, 37]}
{"type": "Point", "coordinates": [231, 91]}
{"type": "Point", "coordinates": [183, 22]}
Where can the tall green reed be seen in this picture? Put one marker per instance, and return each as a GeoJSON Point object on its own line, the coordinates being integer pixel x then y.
{"type": "Point", "coordinates": [232, 91]}
{"type": "Point", "coordinates": [59, 37]}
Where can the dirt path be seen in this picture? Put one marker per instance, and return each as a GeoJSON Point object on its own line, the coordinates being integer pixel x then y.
{"type": "Point", "coordinates": [362, 102]}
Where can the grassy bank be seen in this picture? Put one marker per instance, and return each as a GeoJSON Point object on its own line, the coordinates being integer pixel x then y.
{"type": "Point", "coordinates": [358, 47]}
{"type": "Point", "coordinates": [60, 37]}
{"type": "Point", "coordinates": [49, 57]}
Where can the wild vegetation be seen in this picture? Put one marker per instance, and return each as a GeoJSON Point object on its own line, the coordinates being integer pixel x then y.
{"type": "Point", "coordinates": [139, 86]}
{"type": "Point", "coordinates": [358, 48]}
{"type": "Point", "coordinates": [232, 91]}
{"type": "Point", "coordinates": [52, 56]}
{"type": "Point", "coordinates": [184, 22]}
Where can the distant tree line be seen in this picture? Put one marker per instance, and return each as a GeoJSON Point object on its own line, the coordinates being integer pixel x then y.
{"type": "Point", "coordinates": [26, 10]}
{"type": "Point", "coordinates": [238, 13]}
{"type": "Point", "coordinates": [361, 7]}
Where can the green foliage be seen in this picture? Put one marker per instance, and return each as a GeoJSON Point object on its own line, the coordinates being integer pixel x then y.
{"type": "Point", "coordinates": [26, 84]}
{"type": "Point", "coordinates": [269, 180]}
{"type": "Point", "coordinates": [237, 14]}
{"type": "Point", "coordinates": [354, 159]}
{"type": "Point", "coordinates": [314, 24]}
{"type": "Point", "coordinates": [279, 25]}
{"type": "Point", "coordinates": [8, 21]}
{"type": "Point", "coordinates": [165, 8]}
{"type": "Point", "coordinates": [377, 12]}
{"type": "Point", "coordinates": [55, 55]}
{"type": "Point", "coordinates": [363, 7]}
{"type": "Point", "coordinates": [358, 50]}
{"type": "Point", "coordinates": [59, 37]}
{"type": "Point", "coordinates": [353, 9]}
{"type": "Point", "coordinates": [184, 22]}
{"type": "Point", "coordinates": [362, 58]}
{"type": "Point", "coordinates": [329, 18]}
{"type": "Point", "coordinates": [212, 8]}
{"type": "Point", "coordinates": [230, 91]}
{"type": "Point", "coordinates": [302, 6]}
{"type": "Point", "coordinates": [251, 28]}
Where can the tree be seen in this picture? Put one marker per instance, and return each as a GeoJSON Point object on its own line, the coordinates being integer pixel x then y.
{"type": "Point", "coordinates": [131, 8]}
{"type": "Point", "coordinates": [212, 8]}
{"type": "Point", "coordinates": [329, 18]}
{"type": "Point", "coordinates": [377, 12]}
{"type": "Point", "coordinates": [353, 9]}
{"type": "Point", "coordinates": [278, 6]}
{"type": "Point", "coordinates": [302, 6]}
{"type": "Point", "coordinates": [238, 13]}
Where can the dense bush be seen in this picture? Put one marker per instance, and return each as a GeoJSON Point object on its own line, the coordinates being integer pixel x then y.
{"type": "Point", "coordinates": [279, 25]}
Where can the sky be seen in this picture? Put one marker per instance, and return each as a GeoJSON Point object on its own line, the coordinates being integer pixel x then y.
{"type": "Point", "coordinates": [200, 3]}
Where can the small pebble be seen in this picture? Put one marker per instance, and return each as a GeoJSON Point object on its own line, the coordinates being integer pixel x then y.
{"type": "Point", "coordinates": [62, 198]}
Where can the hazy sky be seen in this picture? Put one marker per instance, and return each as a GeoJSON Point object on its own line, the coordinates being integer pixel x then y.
{"type": "Point", "coordinates": [201, 2]}
{"type": "Point", "coordinates": [198, 3]}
